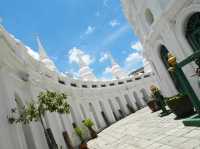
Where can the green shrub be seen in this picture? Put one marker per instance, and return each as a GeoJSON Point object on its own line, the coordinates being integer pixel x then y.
{"type": "Point", "coordinates": [79, 133]}
{"type": "Point", "coordinates": [88, 122]}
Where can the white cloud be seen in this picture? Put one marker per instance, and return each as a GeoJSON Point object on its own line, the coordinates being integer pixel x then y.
{"type": "Point", "coordinates": [73, 56]}
{"type": "Point", "coordinates": [137, 46]}
{"type": "Point", "coordinates": [133, 61]}
{"type": "Point", "coordinates": [103, 57]}
{"type": "Point", "coordinates": [34, 54]}
{"type": "Point", "coordinates": [107, 70]}
{"type": "Point", "coordinates": [90, 30]}
{"type": "Point", "coordinates": [114, 23]}
{"type": "Point", "coordinates": [106, 75]}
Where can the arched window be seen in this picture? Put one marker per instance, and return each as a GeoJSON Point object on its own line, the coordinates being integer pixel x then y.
{"type": "Point", "coordinates": [192, 32]}
{"type": "Point", "coordinates": [149, 16]}
{"type": "Point", "coordinates": [164, 57]}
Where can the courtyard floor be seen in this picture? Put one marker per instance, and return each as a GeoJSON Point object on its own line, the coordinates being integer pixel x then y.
{"type": "Point", "coordinates": [145, 130]}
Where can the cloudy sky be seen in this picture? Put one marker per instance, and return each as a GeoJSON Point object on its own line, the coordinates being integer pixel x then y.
{"type": "Point", "coordinates": [92, 28]}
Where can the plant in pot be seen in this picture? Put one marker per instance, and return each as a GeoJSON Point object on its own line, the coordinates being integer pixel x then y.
{"type": "Point", "coordinates": [35, 111]}
{"type": "Point", "coordinates": [180, 105]}
{"type": "Point", "coordinates": [89, 123]}
{"type": "Point", "coordinates": [156, 94]}
{"type": "Point", "coordinates": [79, 132]}
{"type": "Point", "coordinates": [153, 103]}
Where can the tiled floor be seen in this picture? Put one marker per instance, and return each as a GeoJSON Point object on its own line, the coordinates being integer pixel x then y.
{"type": "Point", "coordinates": [146, 130]}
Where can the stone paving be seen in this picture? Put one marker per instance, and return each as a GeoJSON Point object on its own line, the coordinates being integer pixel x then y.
{"type": "Point", "coordinates": [145, 130]}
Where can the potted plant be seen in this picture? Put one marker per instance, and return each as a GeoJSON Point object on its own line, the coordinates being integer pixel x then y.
{"type": "Point", "coordinates": [79, 133]}
{"type": "Point", "coordinates": [180, 105]}
{"type": "Point", "coordinates": [159, 99]}
{"type": "Point", "coordinates": [153, 105]}
{"type": "Point", "coordinates": [35, 111]}
{"type": "Point", "coordinates": [89, 123]}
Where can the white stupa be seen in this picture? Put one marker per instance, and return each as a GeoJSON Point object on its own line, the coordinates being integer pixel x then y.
{"type": "Point", "coordinates": [116, 70]}
{"type": "Point", "coordinates": [85, 72]}
{"type": "Point", "coordinates": [44, 58]}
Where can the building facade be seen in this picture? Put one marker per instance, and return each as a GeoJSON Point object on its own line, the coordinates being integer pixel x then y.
{"type": "Point", "coordinates": [22, 78]}
{"type": "Point", "coordinates": [163, 27]}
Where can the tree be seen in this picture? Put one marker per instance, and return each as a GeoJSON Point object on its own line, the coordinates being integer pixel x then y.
{"type": "Point", "coordinates": [35, 111]}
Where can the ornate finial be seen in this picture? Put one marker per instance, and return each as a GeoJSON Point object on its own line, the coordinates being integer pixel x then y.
{"type": "Point", "coordinates": [41, 49]}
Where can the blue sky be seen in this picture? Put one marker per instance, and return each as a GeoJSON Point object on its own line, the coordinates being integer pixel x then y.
{"type": "Point", "coordinates": [65, 27]}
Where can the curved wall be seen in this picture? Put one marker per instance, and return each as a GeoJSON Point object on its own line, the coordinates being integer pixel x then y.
{"type": "Point", "coordinates": [103, 102]}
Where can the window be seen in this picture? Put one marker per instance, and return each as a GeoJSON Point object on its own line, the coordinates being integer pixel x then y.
{"type": "Point", "coordinates": [129, 81]}
{"type": "Point", "coordinates": [103, 85]}
{"type": "Point", "coordinates": [61, 82]}
{"type": "Point", "coordinates": [112, 84]}
{"type": "Point", "coordinates": [149, 16]}
{"type": "Point", "coordinates": [73, 84]}
{"type": "Point", "coordinates": [120, 83]}
{"type": "Point", "coordinates": [94, 86]}
{"type": "Point", "coordinates": [84, 86]}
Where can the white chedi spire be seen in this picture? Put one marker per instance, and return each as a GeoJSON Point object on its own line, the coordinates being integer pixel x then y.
{"type": "Point", "coordinates": [85, 72]}
{"type": "Point", "coordinates": [43, 57]}
{"type": "Point", "coordinates": [116, 70]}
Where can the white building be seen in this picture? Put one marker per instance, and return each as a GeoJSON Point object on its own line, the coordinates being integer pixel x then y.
{"type": "Point", "coordinates": [165, 26]}
{"type": "Point", "coordinates": [22, 77]}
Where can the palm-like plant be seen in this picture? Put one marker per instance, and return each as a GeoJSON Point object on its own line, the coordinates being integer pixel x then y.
{"type": "Point", "coordinates": [89, 123]}
{"type": "Point", "coordinates": [35, 111]}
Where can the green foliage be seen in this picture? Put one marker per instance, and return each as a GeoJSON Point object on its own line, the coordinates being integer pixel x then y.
{"type": "Point", "coordinates": [47, 101]}
{"type": "Point", "coordinates": [88, 122]}
{"type": "Point", "coordinates": [79, 132]}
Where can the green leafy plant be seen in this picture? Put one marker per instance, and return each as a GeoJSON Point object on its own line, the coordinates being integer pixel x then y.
{"type": "Point", "coordinates": [79, 131]}
{"type": "Point", "coordinates": [35, 110]}
{"type": "Point", "coordinates": [88, 122]}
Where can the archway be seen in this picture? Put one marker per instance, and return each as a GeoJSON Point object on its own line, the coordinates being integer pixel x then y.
{"type": "Point", "coordinates": [113, 109]}
{"type": "Point", "coordinates": [192, 31]}
{"type": "Point", "coordinates": [92, 109]}
{"type": "Point", "coordinates": [138, 102]}
{"type": "Point", "coordinates": [164, 57]}
{"type": "Point", "coordinates": [73, 116]}
{"type": "Point", "coordinates": [104, 113]}
{"type": "Point", "coordinates": [83, 111]}
{"type": "Point", "coordinates": [121, 110]}
{"type": "Point", "coordinates": [129, 104]}
{"type": "Point", "coordinates": [28, 135]}
{"type": "Point", "coordinates": [145, 95]}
